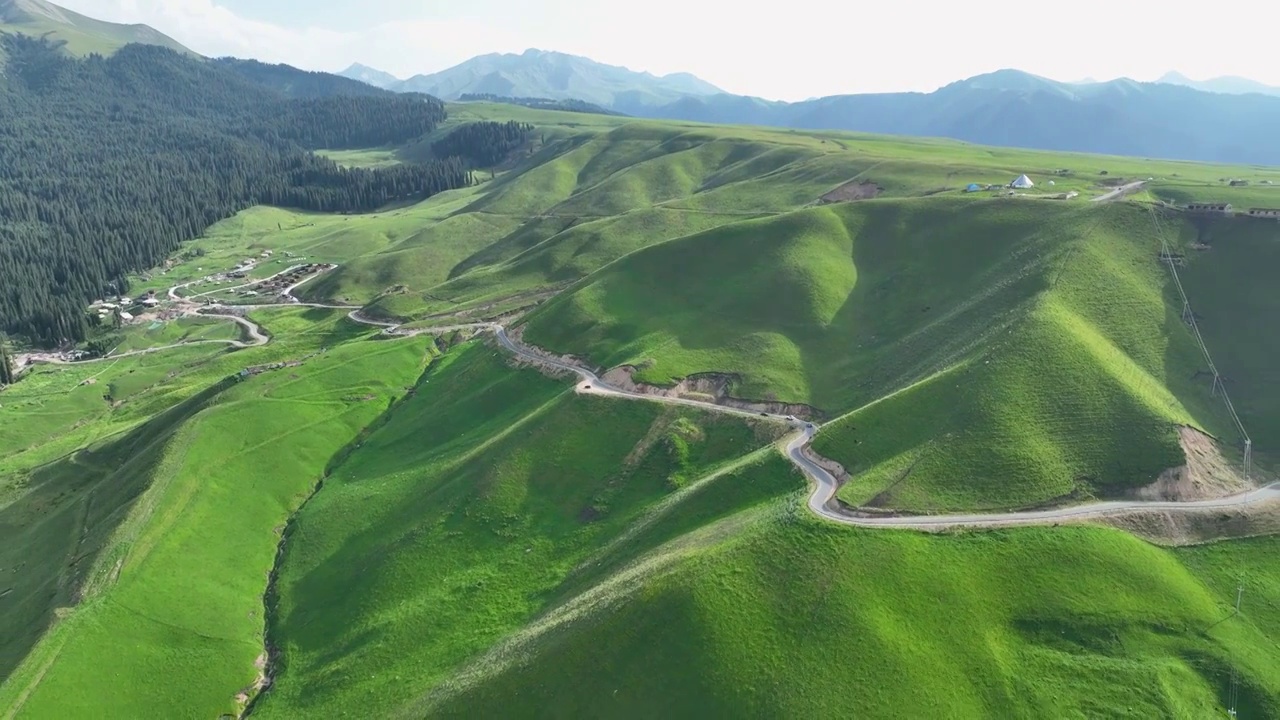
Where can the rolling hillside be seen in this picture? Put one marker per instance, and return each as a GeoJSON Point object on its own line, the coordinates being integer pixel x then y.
{"type": "Point", "coordinates": [369, 524]}
{"type": "Point", "coordinates": [82, 35]}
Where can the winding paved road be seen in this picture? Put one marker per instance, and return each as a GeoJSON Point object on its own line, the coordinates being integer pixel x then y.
{"type": "Point", "coordinates": [1120, 192]}
{"type": "Point", "coordinates": [822, 500]}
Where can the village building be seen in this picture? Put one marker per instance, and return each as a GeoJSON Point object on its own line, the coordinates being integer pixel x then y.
{"type": "Point", "coordinates": [1217, 208]}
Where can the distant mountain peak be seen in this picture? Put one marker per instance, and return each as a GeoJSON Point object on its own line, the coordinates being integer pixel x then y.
{"type": "Point", "coordinates": [536, 73]}
{"type": "Point", "coordinates": [1226, 85]}
{"type": "Point", "coordinates": [370, 76]}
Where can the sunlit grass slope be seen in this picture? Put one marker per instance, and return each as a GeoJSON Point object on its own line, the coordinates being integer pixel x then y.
{"type": "Point", "coordinates": [1002, 354]}
{"type": "Point", "coordinates": [167, 536]}
{"type": "Point", "coordinates": [598, 188]}
{"type": "Point", "coordinates": [795, 618]}
{"type": "Point", "coordinates": [82, 35]}
{"type": "Point", "coordinates": [488, 494]}
{"type": "Point", "coordinates": [594, 193]}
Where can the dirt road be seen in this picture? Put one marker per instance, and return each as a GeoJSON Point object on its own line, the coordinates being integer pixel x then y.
{"type": "Point", "coordinates": [1120, 192]}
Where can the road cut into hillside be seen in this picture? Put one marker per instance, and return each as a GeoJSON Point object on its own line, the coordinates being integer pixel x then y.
{"type": "Point", "coordinates": [822, 500]}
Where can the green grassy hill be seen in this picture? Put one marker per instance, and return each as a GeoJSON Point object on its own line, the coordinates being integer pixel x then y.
{"type": "Point", "coordinates": [82, 35]}
{"type": "Point", "coordinates": [466, 537]}
{"type": "Point", "coordinates": [993, 354]}
{"type": "Point", "coordinates": [153, 546]}
{"type": "Point", "coordinates": [800, 619]}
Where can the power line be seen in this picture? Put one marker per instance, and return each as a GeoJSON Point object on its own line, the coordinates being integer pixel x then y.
{"type": "Point", "coordinates": [1189, 316]}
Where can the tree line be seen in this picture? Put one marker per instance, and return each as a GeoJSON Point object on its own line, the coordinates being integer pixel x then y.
{"type": "Point", "coordinates": [566, 105]}
{"type": "Point", "coordinates": [108, 164]}
{"type": "Point", "coordinates": [483, 144]}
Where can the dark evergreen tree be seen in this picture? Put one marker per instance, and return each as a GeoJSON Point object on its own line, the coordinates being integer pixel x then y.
{"type": "Point", "coordinates": [483, 144]}
{"type": "Point", "coordinates": [567, 105]}
{"type": "Point", "coordinates": [108, 164]}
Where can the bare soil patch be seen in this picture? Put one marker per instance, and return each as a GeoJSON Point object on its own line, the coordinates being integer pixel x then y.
{"type": "Point", "coordinates": [1206, 475]}
{"type": "Point", "coordinates": [1201, 526]}
{"type": "Point", "coordinates": [853, 190]}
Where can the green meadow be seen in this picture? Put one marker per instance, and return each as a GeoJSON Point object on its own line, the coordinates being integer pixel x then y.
{"type": "Point", "coordinates": [420, 527]}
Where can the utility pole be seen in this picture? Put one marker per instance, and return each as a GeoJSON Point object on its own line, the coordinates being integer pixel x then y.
{"type": "Point", "coordinates": [1248, 457]}
{"type": "Point", "coordinates": [1239, 595]}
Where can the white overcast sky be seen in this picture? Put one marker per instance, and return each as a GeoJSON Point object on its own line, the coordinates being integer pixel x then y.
{"type": "Point", "coordinates": [787, 51]}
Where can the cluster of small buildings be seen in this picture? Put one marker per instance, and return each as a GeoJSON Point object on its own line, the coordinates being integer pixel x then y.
{"type": "Point", "coordinates": [1227, 210]}
{"type": "Point", "coordinates": [1210, 208]}
{"type": "Point", "coordinates": [280, 283]}
{"type": "Point", "coordinates": [123, 305]}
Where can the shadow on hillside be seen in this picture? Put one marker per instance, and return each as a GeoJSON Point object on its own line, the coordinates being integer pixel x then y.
{"type": "Point", "coordinates": [1226, 276]}
{"type": "Point", "coordinates": [52, 537]}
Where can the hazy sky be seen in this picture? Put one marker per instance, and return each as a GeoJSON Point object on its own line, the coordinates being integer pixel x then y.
{"type": "Point", "coordinates": [787, 51]}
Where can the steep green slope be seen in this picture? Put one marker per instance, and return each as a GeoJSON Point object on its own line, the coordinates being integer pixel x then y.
{"type": "Point", "coordinates": [464, 517]}
{"type": "Point", "coordinates": [176, 542]}
{"type": "Point", "coordinates": [1033, 348]}
{"type": "Point", "coordinates": [82, 35]}
{"type": "Point", "coordinates": [803, 619]}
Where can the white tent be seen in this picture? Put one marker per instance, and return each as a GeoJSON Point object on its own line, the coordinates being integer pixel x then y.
{"type": "Point", "coordinates": [1022, 182]}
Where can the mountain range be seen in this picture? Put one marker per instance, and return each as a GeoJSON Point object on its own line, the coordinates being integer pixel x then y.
{"type": "Point", "coordinates": [542, 74]}
{"type": "Point", "coordinates": [1219, 120]}
{"type": "Point", "coordinates": [1226, 85]}
{"type": "Point", "coordinates": [1014, 108]}
{"type": "Point", "coordinates": [1225, 119]}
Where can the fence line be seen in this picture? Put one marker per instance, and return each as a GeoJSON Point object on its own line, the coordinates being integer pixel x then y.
{"type": "Point", "coordinates": [1189, 316]}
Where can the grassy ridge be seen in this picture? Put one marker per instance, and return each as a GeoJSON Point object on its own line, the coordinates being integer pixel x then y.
{"type": "Point", "coordinates": [814, 304]}
{"type": "Point", "coordinates": [176, 591]}
{"type": "Point", "coordinates": [806, 619]}
{"type": "Point", "coordinates": [458, 522]}
{"type": "Point", "coordinates": [84, 35]}
{"type": "Point", "coordinates": [1035, 348]}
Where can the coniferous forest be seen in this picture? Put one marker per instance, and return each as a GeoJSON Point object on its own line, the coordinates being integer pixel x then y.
{"type": "Point", "coordinates": [107, 164]}
{"type": "Point", "coordinates": [483, 144]}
